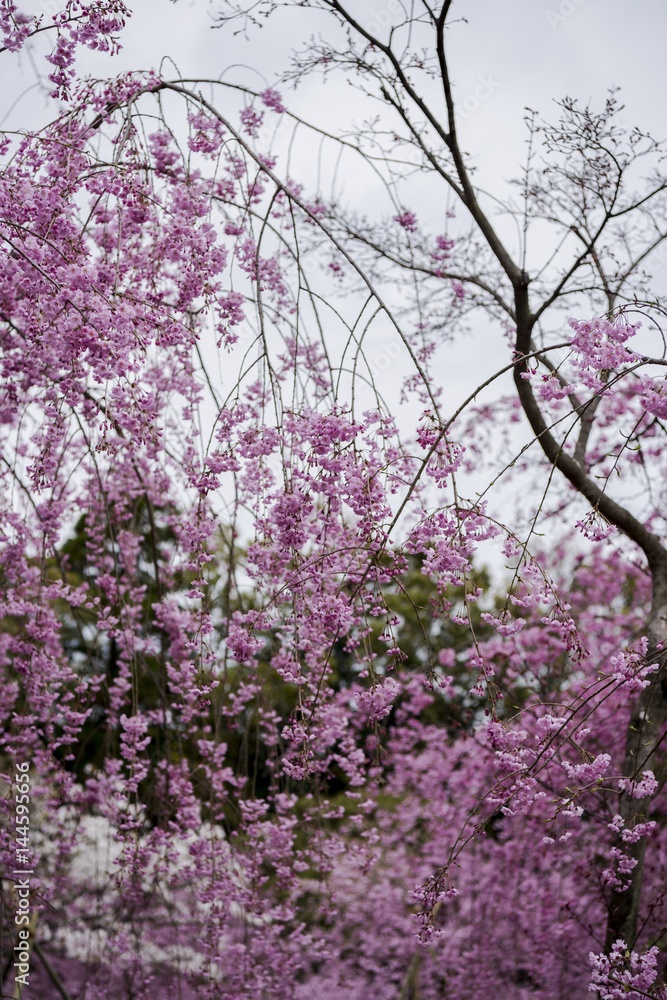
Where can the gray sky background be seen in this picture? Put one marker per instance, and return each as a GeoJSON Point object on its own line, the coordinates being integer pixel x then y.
{"type": "Point", "coordinates": [519, 52]}
{"type": "Point", "coordinates": [534, 52]}
{"type": "Point", "coordinates": [522, 52]}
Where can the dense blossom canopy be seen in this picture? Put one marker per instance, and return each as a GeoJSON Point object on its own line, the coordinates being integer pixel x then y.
{"type": "Point", "coordinates": [284, 739]}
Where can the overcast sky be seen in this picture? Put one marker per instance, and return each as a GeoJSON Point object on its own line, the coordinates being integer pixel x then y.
{"type": "Point", "coordinates": [512, 54]}
{"type": "Point", "coordinates": [533, 50]}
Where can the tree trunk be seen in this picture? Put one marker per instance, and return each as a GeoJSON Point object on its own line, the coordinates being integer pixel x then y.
{"type": "Point", "coordinates": [643, 751]}
{"type": "Point", "coordinates": [645, 734]}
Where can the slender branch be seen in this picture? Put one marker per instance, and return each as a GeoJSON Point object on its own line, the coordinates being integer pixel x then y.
{"type": "Point", "coordinates": [51, 972]}
{"type": "Point", "coordinates": [395, 62]}
{"type": "Point", "coordinates": [572, 470]}
{"type": "Point", "coordinates": [286, 189]}
{"type": "Point", "coordinates": [502, 255]}
{"type": "Point", "coordinates": [470, 279]}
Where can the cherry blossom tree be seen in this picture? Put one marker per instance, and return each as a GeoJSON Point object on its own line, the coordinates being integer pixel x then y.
{"type": "Point", "coordinates": [282, 735]}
